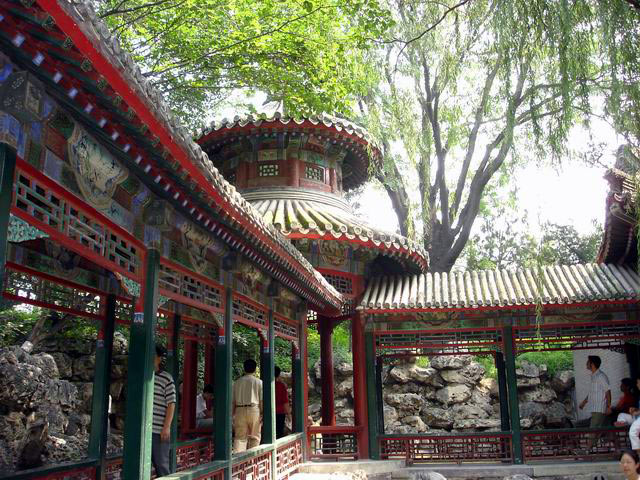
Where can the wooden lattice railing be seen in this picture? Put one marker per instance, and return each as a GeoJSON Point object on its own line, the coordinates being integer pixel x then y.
{"type": "Point", "coordinates": [584, 444]}
{"type": "Point", "coordinates": [423, 448]}
{"type": "Point", "coordinates": [337, 442]}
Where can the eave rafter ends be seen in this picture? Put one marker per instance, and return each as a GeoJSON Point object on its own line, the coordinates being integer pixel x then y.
{"type": "Point", "coordinates": [297, 217]}
{"type": "Point", "coordinates": [499, 289]}
{"type": "Point", "coordinates": [73, 27]}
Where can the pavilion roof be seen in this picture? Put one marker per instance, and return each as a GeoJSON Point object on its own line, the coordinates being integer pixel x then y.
{"type": "Point", "coordinates": [313, 214]}
{"type": "Point", "coordinates": [501, 289]}
{"type": "Point", "coordinates": [80, 54]}
{"type": "Point", "coordinates": [360, 145]}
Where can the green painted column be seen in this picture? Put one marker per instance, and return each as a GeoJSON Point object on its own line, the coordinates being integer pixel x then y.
{"type": "Point", "coordinates": [173, 367]}
{"type": "Point", "coordinates": [268, 384]}
{"type": "Point", "coordinates": [223, 386]}
{"type": "Point", "coordinates": [267, 375]}
{"type": "Point", "coordinates": [7, 170]}
{"type": "Point", "coordinates": [512, 387]}
{"type": "Point", "coordinates": [101, 383]}
{"type": "Point", "coordinates": [372, 396]}
{"type": "Point", "coordinates": [505, 424]}
{"type": "Point", "coordinates": [139, 407]}
{"type": "Point", "coordinates": [297, 375]}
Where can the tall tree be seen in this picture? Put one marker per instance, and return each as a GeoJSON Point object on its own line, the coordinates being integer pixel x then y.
{"type": "Point", "coordinates": [506, 240]}
{"type": "Point", "coordinates": [467, 87]}
{"type": "Point", "coordinates": [303, 53]}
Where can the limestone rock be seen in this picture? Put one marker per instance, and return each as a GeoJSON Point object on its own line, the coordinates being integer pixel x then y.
{"type": "Point", "coordinates": [528, 382]}
{"type": "Point", "coordinates": [469, 375]}
{"type": "Point", "coordinates": [476, 423]}
{"type": "Point", "coordinates": [415, 422]}
{"type": "Point", "coordinates": [453, 394]}
{"type": "Point", "coordinates": [314, 408]}
{"type": "Point", "coordinates": [399, 374]}
{"type": "Point", "coordinates": [390, 415]}
{"type": "Point", "coordinates": [533, 412]}
{"type": "Point", "coordinates": [490, 384]}
{"type": "Point", "coordinates": [64, 364]}
{"type": "Point", "coordinates": [528, 369]}
{"type": "Point", "coordinates": [468, 411]}
{"type": "Point", "coordinates": [563, 381]}
{"type": "Point", "coordinates": [46, 363]}
{"type": "Point", "coordinates": [448, 362]}
{"type": "Point", "coordinates": [345, 416]}
{"type": "Point", "coordinates": [115, 390]}
{"type": "Point", "coordinates": [438, 418]}
{"type": "Point", "coordinates": [426, 376]}
{"type": "Point", "coordinates": [345, 388]}
{"type": "Point", "coordinates": [84, 367]}
{"type": "Point", "coordinates": [118, 372]}
{"type": "Point", "coordinates": [85, 392]}
{"type": "Point", "coordinates": [405, 401]}
{"type": "Point", "coordinates": [517, 476]}
{"type": "Point", "coordinates": [120, 344]}
{"type": "Point", "coordinates": [344, 369]}
{"type": "Point", "coordinates": [539, 394]}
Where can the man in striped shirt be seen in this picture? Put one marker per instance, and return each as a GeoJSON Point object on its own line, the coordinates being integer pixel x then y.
{"type": "Point", "coordinates": [164, 405]}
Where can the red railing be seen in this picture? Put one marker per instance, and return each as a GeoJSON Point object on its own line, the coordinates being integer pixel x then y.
{"type": "Point", "coordinates": [256, 467]}
{"type": "Point", "coordinates": [194, 453]}
{"type": "Point", "coordinates": [338, 442]}
{"type": "Point", "coordinates": [84, 473]}
{"type": "Point", "coordinates": [288, 457]}
{"type": "Point", "coordinates": [583, 444]}
{"type": "Point", "coordinates": [446, 448]}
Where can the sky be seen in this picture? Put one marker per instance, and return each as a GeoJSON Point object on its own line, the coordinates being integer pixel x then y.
{"type": "Point", "coordinates": [573, 193]}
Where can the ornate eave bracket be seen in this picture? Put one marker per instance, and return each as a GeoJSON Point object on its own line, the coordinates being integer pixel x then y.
{"type": "Point", "coordinates": [20, 231]}
{"type": "Point", "coordinates": [130, 286]}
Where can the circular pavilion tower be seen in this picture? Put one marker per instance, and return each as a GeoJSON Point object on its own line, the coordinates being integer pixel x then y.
{"type": "Point", "coordinates": [295, 173]}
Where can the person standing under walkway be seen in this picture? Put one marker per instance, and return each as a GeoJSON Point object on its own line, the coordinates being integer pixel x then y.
{"type": "Point", "coordinates": [283, 408]}
{"type": "Point", "coordinates": [599, 397]}
{"type": "Point", "coordinates": [247, 408]}
{"type": "Point", "coordinates": [164, 406]}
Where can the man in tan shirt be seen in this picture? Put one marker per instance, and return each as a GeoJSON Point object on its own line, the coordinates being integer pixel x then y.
{"type": "Point", "coordinates": [247, 408]}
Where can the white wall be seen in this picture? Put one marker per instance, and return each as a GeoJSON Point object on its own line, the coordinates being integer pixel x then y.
{"type": "Point", "coordinates": [614, 364]}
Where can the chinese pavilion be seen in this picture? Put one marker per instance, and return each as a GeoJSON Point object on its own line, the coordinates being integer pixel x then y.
{"type": "Point", "coordinates": [109, 211]}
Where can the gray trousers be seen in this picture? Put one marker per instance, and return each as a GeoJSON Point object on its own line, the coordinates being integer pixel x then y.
{"type": "Point", "coordinates": [160, 455]}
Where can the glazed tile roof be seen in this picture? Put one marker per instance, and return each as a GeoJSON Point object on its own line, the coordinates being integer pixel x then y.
{"type": "Point", "coordinates": [561, 284]}
{"type": "Point", "coordinates": [310, 213]}
{"type": "Point", "coordinates": [258, 120]}
{"type": "Point", "coordinates": [235, 209]}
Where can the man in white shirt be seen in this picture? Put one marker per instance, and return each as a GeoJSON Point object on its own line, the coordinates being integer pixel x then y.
{"type": "Point", "coordinates": [247, 408]}
{"type": "Point", "coordinates": [599, 397]}
{"type": "Point", "coordinates": [204, 415]}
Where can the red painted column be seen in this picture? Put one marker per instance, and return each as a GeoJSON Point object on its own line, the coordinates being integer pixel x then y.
{"type": "Point", "coordinates": [189, 385]}
{"type": "Point", "coordinates": [209, 364]}
{"type": "Point", "coordinates": [325, 327]}
{"type": "Point", "coordinates": [294, 172]}
{"type": "Point", "coordinates": [359, 385]}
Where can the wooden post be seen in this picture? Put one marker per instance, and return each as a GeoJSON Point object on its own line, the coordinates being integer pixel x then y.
{"type": "Point", "coordinates": [360, 385]}
{"type": "Point", "coordinates": [173, 367]}
{"type": "Point", "coordinates": [101, 383]}
{"type": "Point", "coordinates": [502, 392]}
{"type": "Point", "coordinates": [325, 328]}
{"type": "Point", "coordinates": [267, 374]}
{"type": "Point", "coordinates": [209, 364]}
{"type": "Point", "coordinates": [304, 357]}
{"type": "Point", "coordinates": [268, 384]}
{"type": "Point", "coordinates": [189, 385]}
{"type": "Point", "coordinates": [139, 418]}
{"type": "Point", "coordinates": [380, 402]}
{"type": "Point", "coordinates": [372, 395]}
{"type": "Point", "coordinates": [222, 398]}
{"type": "Point", "coordinates": [512, 387]}
{"type": "Point", "coordinates": [7, 172]}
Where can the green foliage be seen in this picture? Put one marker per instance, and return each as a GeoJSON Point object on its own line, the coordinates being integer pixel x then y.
{"type": "Point", "coordinates": [302, 53]}
{"type": "Point", "coordinates": [469, 88]}
{"type": "Point", "coordinates": [555, 361]}
{"type": "Point", "coordinates": [16, 324]}
{"type": "Point", "coordinates": [489, 364]}
{"type": "Point", "coordinates": [505, 240]}
{"type": "Point", "coordinates": [341, 344]}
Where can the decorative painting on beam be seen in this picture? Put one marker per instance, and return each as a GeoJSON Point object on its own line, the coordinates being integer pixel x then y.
{"type": "Point", "coordinates": [67, 180]}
